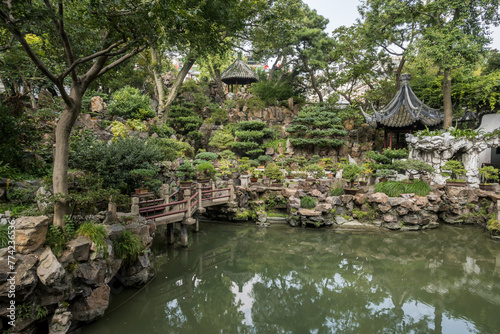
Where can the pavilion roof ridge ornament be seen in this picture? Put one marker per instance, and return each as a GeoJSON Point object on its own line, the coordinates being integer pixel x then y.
{"type": "Point", "coordinates": [404, 110]}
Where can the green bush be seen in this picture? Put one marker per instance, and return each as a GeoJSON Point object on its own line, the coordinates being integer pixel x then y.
{"type": "Point", "coordinates": [396, 188]}
{"type": "Point", "coordinates": [264, 158]}
{"type": "Point", "coordinates": [186, 171]}
{"type": "Point", "coordinates": [113, 162]}
{"type": "Point", "coordinates": [206, 169]}
{"type": "Point", "coordinates": [453, 168]}
{"type": "Point", "coordinates": [350, 173]}
{"type": "Point", "coordinates": [207, 156]}
{"type": "Point", "coordinates": [227, 154]}
{"type": "Point", "coordinates": [272, 92]}
{"type": "Point", "coordinates": [221, 139]}
{"type": "Point", "coordinates": [128, 246]}
{"type": "Point", "coordinates": [162, 130]}
{"type": "Point", "coordinates": [128, 102]}
{"type": "Point", "coordinates": [251, 135]}
{"type": "Point", "coordinates": [316, 126]}
{"type": "Point", "coordinates": [96, 233]}
{"type": "Point", "coordinates": [307, 202]}
{"type": "Point", "coordinates": [336, 191]}
{"type": "Point", "coordinates": [273, 172]}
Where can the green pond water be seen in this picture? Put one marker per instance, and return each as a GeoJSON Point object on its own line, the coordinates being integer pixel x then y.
{"type": "Point", "coordinates": [245, 279]}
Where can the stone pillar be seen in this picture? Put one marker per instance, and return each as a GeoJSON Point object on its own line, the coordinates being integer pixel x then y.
{"type": "Point", "coordinates": [245, 180]}
{"type": "Point", "coordinates": [184, 236]}
{"type": "Point", "coordinates": [166, 198]}
{"type": "Point", "coordinates": [135, 205]}
{"type": "Point", "coordinates": [199, 189]}
{"type": "Point", "coordinates": [170, 233]}
{"type": "Point", "coordinates": [112, 208]}
{"type": "Point", "coordinates": [187, 197]}
{"type": "Point", "coordinates": [196, 227]}
{"type": "Point", "coordinates": [231, 190]}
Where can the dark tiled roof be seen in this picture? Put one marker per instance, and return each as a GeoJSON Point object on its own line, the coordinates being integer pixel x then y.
{"type": "Point", "coordinates": [239, 71]}
{"type": "Point", "coordinates": [404, 110]}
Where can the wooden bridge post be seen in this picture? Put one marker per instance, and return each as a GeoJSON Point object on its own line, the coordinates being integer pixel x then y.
{"type": "Point", "coordinates": [231, 190]}
{"type": "Point", "coordinates": [135, 205]}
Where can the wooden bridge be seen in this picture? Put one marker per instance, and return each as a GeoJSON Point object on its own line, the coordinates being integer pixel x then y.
{"type": "Point", "coordinates": [181, 206]}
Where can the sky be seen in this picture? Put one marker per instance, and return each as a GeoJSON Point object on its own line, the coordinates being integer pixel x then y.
{"type": "Point", "coordinates": [345, 13]}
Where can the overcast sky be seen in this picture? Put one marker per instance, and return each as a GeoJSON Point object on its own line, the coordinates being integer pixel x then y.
{"type": "Point", "coordinates": [345, 13]}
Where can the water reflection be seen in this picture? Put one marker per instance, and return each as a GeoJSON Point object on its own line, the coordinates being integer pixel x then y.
{"type": "Point", "coordinates": [283, 280]}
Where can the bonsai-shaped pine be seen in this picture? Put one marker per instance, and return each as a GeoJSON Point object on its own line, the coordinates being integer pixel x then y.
{"type": "Point", "coordinates": [272, 171]}
{"type": "Point", "coordinates": [206, 170]}
{"type": "Point", "coordinates": [384, 173]}
{"type": "Point", "coordinates": [453, 169]}
{"type": "Point", "coordinates": [224, 170]}
{"type": "Point", "coordinates": [419, 166]}
{"type": "Point", "coordinates": [315, 170]}
{"type": "Point", "coordinates": [350, 172]}
{"type": "Point", "coordinates": [186, 171]}
{"type": "Point", "coordinates": [489, 173]}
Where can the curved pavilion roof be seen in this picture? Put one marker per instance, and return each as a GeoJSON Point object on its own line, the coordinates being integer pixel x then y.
{"type": "Point", "coordinates": [405, 110]}
{"type": "Point", "coordinates": [239, 72]}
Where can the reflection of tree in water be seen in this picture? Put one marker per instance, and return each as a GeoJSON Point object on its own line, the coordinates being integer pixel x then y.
{"type": "Point", "coordinates": [310, 281]}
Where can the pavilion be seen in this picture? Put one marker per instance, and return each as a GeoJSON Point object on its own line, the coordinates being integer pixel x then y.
{"type": "Point", "coordinates": [238, 72]}
{"type": "Point", "coordinates": [404, 114]}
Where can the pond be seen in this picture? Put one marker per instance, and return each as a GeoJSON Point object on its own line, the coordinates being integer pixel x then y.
{"type": "Point", "coordinates": [246, 279]}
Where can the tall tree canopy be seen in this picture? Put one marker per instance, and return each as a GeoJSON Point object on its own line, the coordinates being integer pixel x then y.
{"type": "Point", "coordinates": [451, 33]}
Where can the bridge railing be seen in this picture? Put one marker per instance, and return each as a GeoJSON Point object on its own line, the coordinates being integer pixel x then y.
{"type": "Point", "coordinates": [189, 205]}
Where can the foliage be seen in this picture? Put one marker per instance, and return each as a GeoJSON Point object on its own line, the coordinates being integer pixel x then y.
{"type": "Point", "coordinates": [113, 162]}
{"type": "Point", "coordinates": [263, 159]}
{"type": "Point", "coordinates": [307, 202]}
{"type": "Point", "coordinates": [206, 169]}
{"type": "Point", "coordinates": [185, 171]}
{"type": "Point", "coordinates": [384, 173]}
{"type": "Point", "coordinates": [162, 130]}
{"type": "Point", "coordinates": [57, 237]}
{"type": "Point", "coordinates": [128, 246]}
{"type": "Point", "coordinates": [315, 170]}
{"type": "Point", "coordinates": [119, 130]}
{"type": "Point", "coordinates": [419, 166]}
{"type": "Point", "coordinates": [96, 233]}
{"type": "Point", "coordinates": [251, 135]}
{"type": "Point", "coordinates": [350, 173]}
{"type": "Point", "coordinates": [227, 154]}
{"type": "Point", "coordinates": [316, 125]}
{"type": "Point", "coordinates": [136, 125]}
{"type": "Point", "coordinates": [186, 122]}
{"type": "Point", "coordinates": [143, 177]}
{"type": "Point", "coordinates": [336, 191]}
{"type": "Point", "coordinates": [453, 168]}
{"type": "Point", "coordinates": [208, 156]}
{"type": "Point", "coordinates": [396, 188]}
{"type": "Point", "coordinates": [4, 235]}
{"type": "Point", "coordinates": [273, 172]}
{"type": "Point", "coordinates": [270, 93]}
{"type": "Point", "coordinates": [21, 144]}
{"type": "Point", "coordinates": [493, 225]}
{"type": "Point", "coordinates": [170, 149]}
{"type": "Point", "coordinates": [489, 173]}
{"type": "Point", "coordinates": [221, 139]}
{"type": "Point", "coordinates": [128, 102]}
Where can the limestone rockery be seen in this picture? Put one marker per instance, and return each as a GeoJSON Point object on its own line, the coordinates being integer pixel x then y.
{"type": "Point", "coordinates": [55, 294]}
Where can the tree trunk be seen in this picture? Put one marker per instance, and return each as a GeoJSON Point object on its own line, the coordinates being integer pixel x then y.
{"type": "Point", "coordinates": [218, 83]}
{"type": "Point", "coordinates": [175, 88]}
{"type": "Point", "coordinates": [156, 69]}
{"type": "Point", "coordinates": [448, 111]}
{"type": "Point", "coordinates": [313, 80]}
{"type": "Point", "coordinates": [399, 70]}
{"type": "Point", "coordinates": [60, 174]}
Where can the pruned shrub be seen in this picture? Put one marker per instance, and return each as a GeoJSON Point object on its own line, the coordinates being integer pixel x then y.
{"type": "Point", "coordinates": [128, 102]}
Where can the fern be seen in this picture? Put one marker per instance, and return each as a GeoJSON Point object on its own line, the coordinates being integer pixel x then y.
{"type": "Point", "coordinates": [128, 246]}
{"type": "Point", "coordinates": [307, 202]}
{"type": "Point", "coordinates": [96, 233]}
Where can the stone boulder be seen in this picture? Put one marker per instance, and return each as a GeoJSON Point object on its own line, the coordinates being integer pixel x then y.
{"type": "Point", "coordinates": [97, 104]}
{"type": "Point", "coordinates": [80, 248]}
{"type": "Point", "coordinates": [26, 279]}
{"type": "Point", "coordinates": [89, 308]}
{"type": "Point", "coordinates": [50, 271]}
{"type": "Point", "coordinates": [31, 233]}
{"type": "Point", "coordinates": [379, 198]}
{"type": "Point", "coordinates": [61, 321]}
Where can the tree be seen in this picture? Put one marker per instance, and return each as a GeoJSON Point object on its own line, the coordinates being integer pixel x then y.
{"type": "Point", "coordinates": [451, 33]}
{"type": "Point", "coordinates": [81, 41]}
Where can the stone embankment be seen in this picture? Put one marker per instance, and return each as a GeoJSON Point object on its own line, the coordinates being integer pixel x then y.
{"type": "Point", "coordinates": [365, 209]}
{"type": "Point", "coordinates": [59, 293]}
